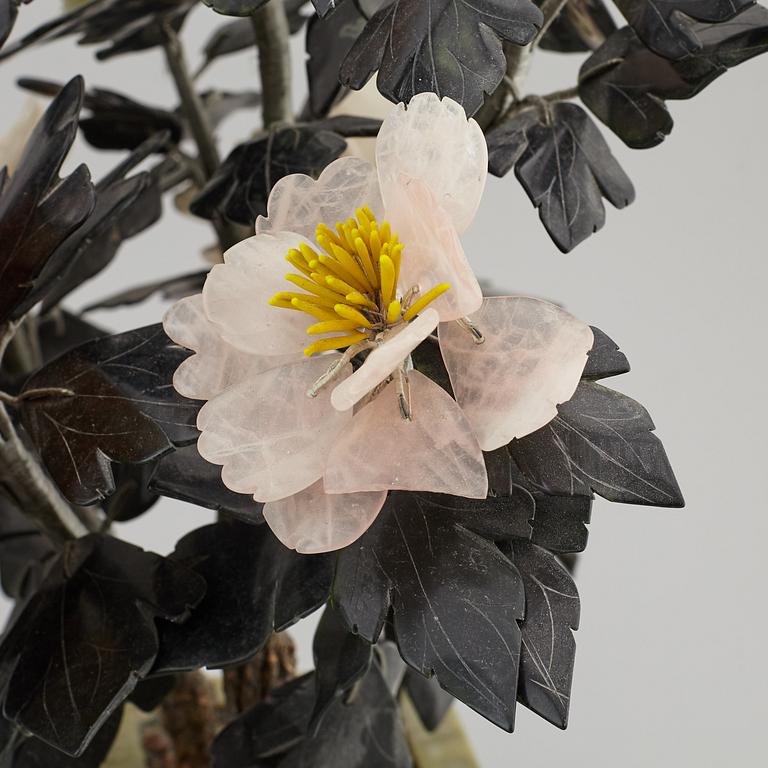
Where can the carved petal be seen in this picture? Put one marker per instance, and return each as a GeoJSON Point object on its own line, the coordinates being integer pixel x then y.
{"type": "Point", "coordinates": [383, 361]}
{"type": "Point", "coordinates": [437, 451]}
{"type": "Point", "coordinates": [217, 365]}
{"type": "Point", "coordinates": [433, 141]}
{"type": "Point", "coordinates": [236, 297]}
{"type": "Point", "coordinates": [532, 360]}
{"type": "Point", "coordinates": [433, 252]}
{"type": "Point", "coordinates": [298, 203]}
{"type": "Point", "coordinates": [271, 439]}
{"type": "Point", "coordinates": [313, 521]}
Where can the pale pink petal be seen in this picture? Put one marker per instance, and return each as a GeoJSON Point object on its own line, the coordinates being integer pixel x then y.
{"type": "Point", "coordinates": [313, 521]}
{"type": "Point", "coordinates": [384, 360]}
{"type": "Point", "coordinates": [217, 365]}
{"type": "Point", "coordinates": [236, 297]}
{"type": "Point", "coordinates": [433, 252]}
{"type": "Point", "coordinates": [380, 451]}
{"type": "Point", "coordinates": [433, 141]}
{"type": "Point", "coordinates": [299, 203]}
{"type": "Point", "coordinates": [532, 359]}
{"type": "Point", "coordinates": [271, 439]}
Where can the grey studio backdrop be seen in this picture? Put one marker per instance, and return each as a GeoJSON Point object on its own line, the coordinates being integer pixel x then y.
{"type": "Point", "coordinates": [671, 663]}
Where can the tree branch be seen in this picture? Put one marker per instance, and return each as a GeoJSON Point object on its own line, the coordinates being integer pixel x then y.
{"type": "Point", "coordinates": [270, 29]}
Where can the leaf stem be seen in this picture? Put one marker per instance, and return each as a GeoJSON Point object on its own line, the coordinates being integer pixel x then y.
{"type": "Point", "coordinates": [22, 477]}
{"type": "Point", "coordinates": [194, 111]}
{"type": "Point", "coordinates": [270, 29]}
{"type": "Point", "coordinates": [191, 102]}
{"type": "Point", "coordinates": [551, 10]}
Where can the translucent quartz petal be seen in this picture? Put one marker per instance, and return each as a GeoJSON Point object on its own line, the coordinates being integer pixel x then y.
{"type": "Point", "coordinates": [313, 521]}
{"type": "Point", "coordinates": [532, 360]}
{"type": "Point", "coordinates": [383, 360]}
{"type": "Point", "coordinates": [437, 451]}
{"type": "Point", "coordinates": [236, 297]}
{"type": "Point", "coordinates": [433, 252]}
{"type": "Point", "coordinates": [271, 439]}
{"type": "Point", "coordinates": [433, 141]}
{"type": "Point", "coordinates": [299, 203]}
{"type": "Point", "coordinates": [217, 365]}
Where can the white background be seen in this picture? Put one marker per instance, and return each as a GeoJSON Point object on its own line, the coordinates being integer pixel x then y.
{"type": "Point", "coordinates": [671, 665]}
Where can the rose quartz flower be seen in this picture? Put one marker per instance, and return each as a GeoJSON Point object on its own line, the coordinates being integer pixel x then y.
{"type": "Point", "coordinates": [320, 443]}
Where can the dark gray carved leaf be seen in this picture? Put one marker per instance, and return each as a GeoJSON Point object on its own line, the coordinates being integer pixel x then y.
{"type": "Point", "coordinates": [87, 636]}
{"type": "Point", "coordinates": [668, 27]}
{"type": "Point", "coordinates": [548, 647]}
{"type": "Point", "coordinates": [123, 408]}
{"type": "Point", "coordinates": [626, 85]}
{"type": "Point", "coordinates": [605, 358]}
{"type": "Point", "coordinates": [423, 557]}
{"type": "Point", "coordinates": [600, 441]}
{"type": "Point", "coordinates": [566, 168]}
{"type": "Point", "coordinates": [450, 47]}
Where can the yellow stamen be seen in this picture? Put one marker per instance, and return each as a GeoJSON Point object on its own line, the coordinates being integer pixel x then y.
{"type": "Point", "coordinates": [337, 269]}
{"type": "Point", "coordinates": [335, 342]}
{"type": "Point", "coordinates": [358, 298]}
{"type": "Point", "coordinates": [393, 312]}
{"type": "Point", "coordinates": [308, 253]}
{"type": "Point", "coordinates": [385, 231]}
{"type": "Point", "coordinates": [323, 281]}
{"type": "Point", "coordinates": [375, 244]}
{"type": "Point", "coordinates": [365, 260]}
{"type": "Point", "coordinates": [312, 309]}
{"type": "Point", "coordinates": [387, 279]}
{"type": "Point", "coordinates": [332, 326]}
{"type": "Point", "coordinates": [312, 287]}
{"type": "Point", "coordinates": [335, 284]}
{"type": "Point", "coordinates": [325, 230]}
{"type": "Point", "coordinates": [354, 269]}
{"type": "Point", "coordinates": [282, 303]}
{"type": "Point", "coordinates": [348, 313]}
{"type": "Point", "coordinates": [295, 259]}
{"type": "Point", "coordinates": [308, 297]}
{"type": "Point", "coordinates": [425, 300]}
{"type": "Point", "coordinates": [396, 255]}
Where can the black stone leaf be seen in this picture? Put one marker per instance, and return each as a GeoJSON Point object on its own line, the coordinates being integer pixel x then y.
{"type": "Point", "coordinates": [341, 659]}
{"type": "Point", "coordinates": [88, 635]}
{"type": "Point", "coordinates": [126, 25]}
{"type": "Point", "coordinates": [324, 7]}
{"type": "Point", "coordinates": [185, 475]}
{"type": "Point", "coordinates": [240, 187]}
{"type": "Point", "coordinates": [366, 733]}
{"type": "Point", "coordinates": [64, 331]}
{"type": "Point", "coordinates": [559, 522]}
{"type": "Point", "coordinates": [600, 441]}
{"type": "Point", "coordinates": [255, 586]}
{"type": "Point", "coordinates": [548, 647]}
{"type": "Point", "coordinates": [168, 288]}
{"type": "Point", "coordinates": [132, 496]}
{"type": "Point", "coordinates": [25, 552]}
{"type": "Point", "coordinates": [626, 85]}
{"type": "Point", "coordinates": [116, 121]}
{"type": "Point", "coordinates": [235, 7]}
{"type": "Point", "coordinates": [429, 700]}
{"type": "Point", "coordinates": [38, 210]}
{"type": "Point", "coordinates": [329, 40]}
{"type": "Point", "coordinates": [605, 358]}
{"type": "Point", "coordinates": [29, 752]}
{"type": "Point", "coordinates": [271, 728]}
{"type": "Point", "coordinates": [123, 408]}
{"type": "Point", "coordinates": [567, 169]}
{"type": "Point", "coordinates": [9, 10]}
{"type": "Point", "coordinates": [669, 28]}
{"type": "Point", "coordinates": [424, 557]}
{"type": "Point", "coordinates": [451, 47]}
{"type": "Point", "coordinates": [581, 26]}
{"type": "Point", "coordinates": [124, 208]}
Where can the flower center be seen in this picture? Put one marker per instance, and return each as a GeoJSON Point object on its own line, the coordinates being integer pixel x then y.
{"type": "Point", "coordinates": [352, 286]}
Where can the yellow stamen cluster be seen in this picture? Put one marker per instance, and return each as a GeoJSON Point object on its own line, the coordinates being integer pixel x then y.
{"type": "Point", "coordinates": [350, 285]}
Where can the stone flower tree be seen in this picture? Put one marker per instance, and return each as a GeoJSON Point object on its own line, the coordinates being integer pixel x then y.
{"type": "Point", "coordinates": [381, 442]}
